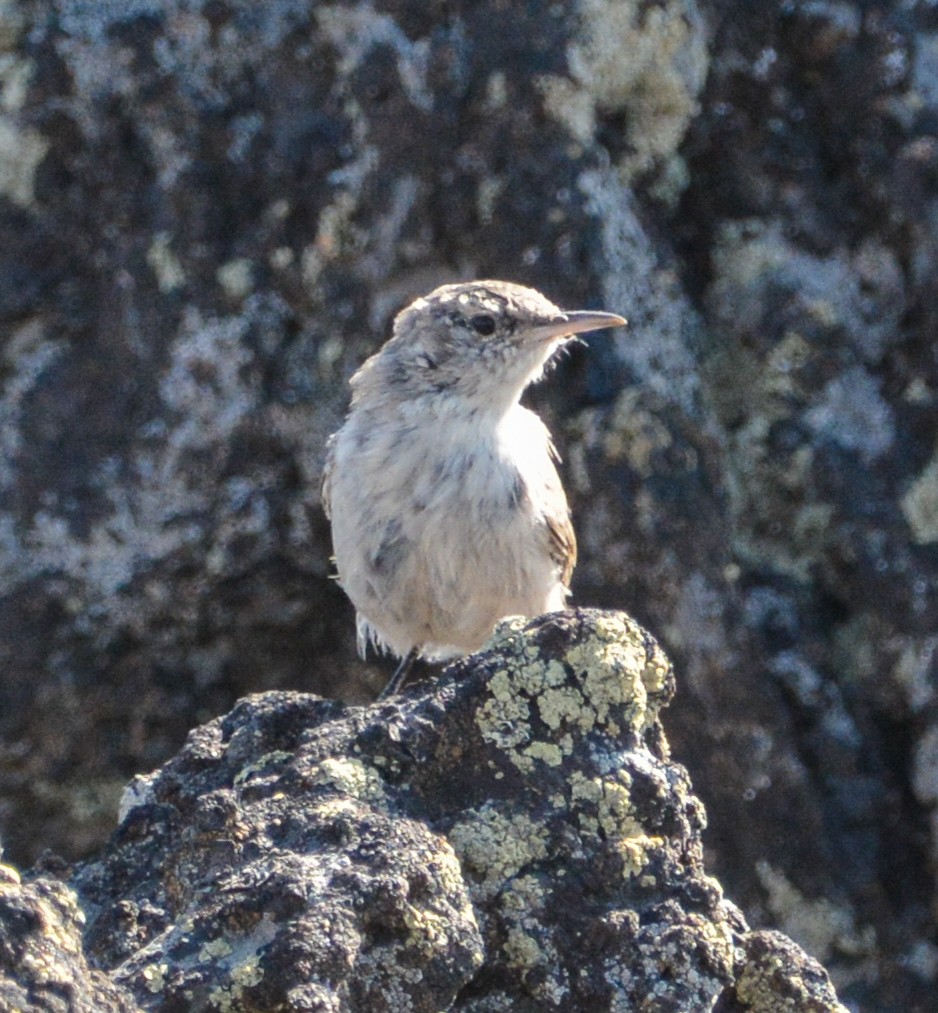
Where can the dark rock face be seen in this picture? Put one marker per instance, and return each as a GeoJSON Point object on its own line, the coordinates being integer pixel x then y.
{"type": "Point", "coordinates": [209, 212]}
{"type": "Point", "coordinates": [510, 837]}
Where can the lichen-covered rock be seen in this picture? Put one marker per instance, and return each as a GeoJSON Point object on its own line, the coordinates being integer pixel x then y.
{"type": "Point", "coordinates": [777, 976]}
{"type": "Point", "coordinates": [511, 836]}
{"type": "Point", "coordinates": [43, 968]}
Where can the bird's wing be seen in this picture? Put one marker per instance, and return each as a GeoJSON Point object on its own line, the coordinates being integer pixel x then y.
{"type": "Point", "coordinates": [562, 544]}
{"type": "Point", "coordinates": [325, 484]}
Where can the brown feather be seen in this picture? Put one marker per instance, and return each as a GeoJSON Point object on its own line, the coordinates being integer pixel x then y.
{"type": "Point", "coordinates": [562, 545]}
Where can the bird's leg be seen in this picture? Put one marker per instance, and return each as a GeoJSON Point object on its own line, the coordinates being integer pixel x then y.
{"type": "Point", "coordinates": [399, 677]}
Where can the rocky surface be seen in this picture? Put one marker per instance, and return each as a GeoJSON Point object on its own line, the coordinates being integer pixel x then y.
{"type": "Point", "coordinates": [42, 963]}
{"type": "Point", "coordinates": [512, 836]}
{"type": "Point", "coordinates": [209, 211]}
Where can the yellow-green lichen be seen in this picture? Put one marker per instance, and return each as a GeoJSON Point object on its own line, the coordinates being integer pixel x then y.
{"type": "Point", "coordinates": [583, 788]}
{"type": "Point", "coordinates": [154, 977]}
{"type": "Point", "coordinates": [496, 846]}
{"type": "Point", "coordinates": [247, 973]}
{"type": "Point", "coordinates": [656, 671]}
{"type": "Point", "coordinates": [615, 810]}
{"type": "Point", "coordinates": [505, 718]}
{"type": "Point", "coordinates": [262, 765]}
{"type": "Point", "coordinates": [635, 852]}
{"type": "Point", "coordinates": [57, 912]}
{"type": "Point", "coordinates": [242, 976]}
{"type": "Point", "coordinates": [549, 752]}
{"type": "Point", "coordinates": [214, 949]}
{"type": "Point", "coordinates": [604, 804]}
{"type": "Point", "coordinates": [613, 661]}
{"type": "Point", "coordinates": [613, 669]}
{"type": "Point", "coordinates": [522, 950]}
{"type": "Point", "coordinates": [350, 776]}
{"type": "Point", "coordinates": [558, 704]}
{"type": "Point", "coordinates": [523, 896]}
{"type": "Point", "coordinates": [426, 929]}
{"type": "Point", "coordinates": [446, 868]}
{"type": "Point", "coordinates": [757, 988]}
{"type": "Point", "coordinates": [506, 632]}
{"type": "Point", "coordinates": [241, 962]}
{"type": "Point", "coordinates": [528, 940]}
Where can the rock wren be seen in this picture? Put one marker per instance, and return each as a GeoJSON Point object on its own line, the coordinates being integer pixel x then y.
{"type": "Point", "coordinates": [447, 511]}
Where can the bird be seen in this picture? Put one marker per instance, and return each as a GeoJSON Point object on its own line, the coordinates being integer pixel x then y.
{"type": "Point", "coordinates": [446, 509]}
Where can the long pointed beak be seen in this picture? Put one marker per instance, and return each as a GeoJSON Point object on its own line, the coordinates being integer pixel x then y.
{"type": "Point", "coordinates": [575, 322]}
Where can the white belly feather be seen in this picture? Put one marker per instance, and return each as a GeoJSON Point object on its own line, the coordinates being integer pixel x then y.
{"type": "Point", "coordinates": [434, 555]}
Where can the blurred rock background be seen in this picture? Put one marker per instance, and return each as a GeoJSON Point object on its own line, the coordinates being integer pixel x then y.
{"type": "Point", "coordinates": [210, 211]}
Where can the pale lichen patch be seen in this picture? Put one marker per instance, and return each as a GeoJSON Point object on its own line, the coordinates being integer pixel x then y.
{"type": "Point", "coordinates": [636, 852]}
{"type": "Point", "coordinates": [920, 505]}
{"type": "Point", "coordinates": [523, 950]}
{"type": "Point", "coordinates": [350, 776]}
{"type": "Point", "coordinates": [656, 671]}
{"type": "Point", "coordinates": [505, 634]}
{"type": "Point", "coordinates": [612, 662]}
{"type": "Point", "coordinates": [164, 263]}
{"type": "Point", "coordinates": [236, 277]}
{"type": "Point", "coordinates": [604, 805]}
{"type": "Point", "coordinates": [556, 705]}
{"type": "Point", "coordinates": [497, 846]}
{"type": "Point", "coordinates": [446, 868]}
{"type": "Point", "coordinates": [504, 719]}
{"type": "Point", "coordinates": [615, 812]}
{"type": "Point", "coordinates": [262, 765]}
{"type": "Point", "coordinates": [243, 976]}
{"type": "Point", "coordinates": [154, 977]}
{"type": "Point", "coordinates": [524, 895]}
{"type": "Point", "coordinates": [656, 85]}
{"type": "Point", "coordinates": [551, 753]}
{"type": "Point", "coordinates": [585, 789]}
{"type": "Point", "coordinates": [528, 941]}
{"type": "Point", "coordinates": [612, 672]}
{"type": "Point", "coordinates": [22, 148]}
{"type": "Point", "coordinates": [426, 929]}
{"type": "Point", "coordinates": [214, 949]}
{"type": "Point", "coordinates": [757, 989]}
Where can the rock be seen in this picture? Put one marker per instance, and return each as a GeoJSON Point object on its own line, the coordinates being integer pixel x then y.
{"type": "Point", "coordinates": [512, 835]}
{"type": "Point", "coordinates": [778, 977]}
{"type": "Point", "coordinates": [42, 964]}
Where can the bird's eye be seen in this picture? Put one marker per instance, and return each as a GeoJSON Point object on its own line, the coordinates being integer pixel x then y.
{"type": "Point", "coordinates": [483, 324]}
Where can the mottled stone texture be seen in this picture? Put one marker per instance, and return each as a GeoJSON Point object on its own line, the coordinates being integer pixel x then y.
{"type": "Point", "coordinates": [43, 968]}
{"type": "Point", "coordinates": [512, 836]}
{"type": "Point", "coordinates": [209, 211]}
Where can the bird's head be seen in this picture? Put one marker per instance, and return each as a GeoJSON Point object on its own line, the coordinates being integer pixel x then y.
{"type": "Point", "coordinates": [481, 341]}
